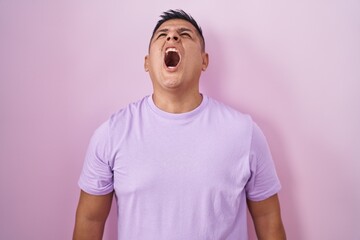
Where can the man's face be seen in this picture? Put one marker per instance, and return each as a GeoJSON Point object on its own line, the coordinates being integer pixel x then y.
{"type": "Point", "coordinates": [176, 58]}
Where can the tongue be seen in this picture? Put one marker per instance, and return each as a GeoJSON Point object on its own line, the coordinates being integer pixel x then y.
{"type": "Point", "coordinates": [172, 59]}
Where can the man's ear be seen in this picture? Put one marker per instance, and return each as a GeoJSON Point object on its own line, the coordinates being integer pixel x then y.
{"type": "Point", "coordinates": [205, 62]}
{"type": "Point", "coordinates": [146, 63]}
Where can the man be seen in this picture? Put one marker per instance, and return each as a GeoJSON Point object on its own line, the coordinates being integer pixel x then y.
{"type": "Point", "coordinates": [182, 165]}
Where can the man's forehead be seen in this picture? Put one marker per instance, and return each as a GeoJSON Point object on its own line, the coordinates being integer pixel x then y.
{"type": "Point", "coordinates": [176, 24]}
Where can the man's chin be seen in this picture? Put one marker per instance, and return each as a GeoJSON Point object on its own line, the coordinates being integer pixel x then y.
{"type": "Point", "coordinates": [171, 83]}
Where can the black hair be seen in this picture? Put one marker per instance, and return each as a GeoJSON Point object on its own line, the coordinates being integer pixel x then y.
{"type": "Point", "coordinates": [178, 14]}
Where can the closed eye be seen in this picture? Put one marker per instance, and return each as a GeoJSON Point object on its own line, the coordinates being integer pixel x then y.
{"type": "Point", "coordinates": [186, 35]}
{"type": "Point", "coordinates": [161, 35]}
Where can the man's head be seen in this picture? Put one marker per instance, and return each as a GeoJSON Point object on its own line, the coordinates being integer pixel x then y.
{"type": "Point", "coordinates": [179, 14]}
{"type": "Point", "coordinates": [177, 54]}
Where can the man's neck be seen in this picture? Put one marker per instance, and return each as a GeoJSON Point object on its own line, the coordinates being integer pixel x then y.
{"type": "Point", "coordinates": [177, 103]}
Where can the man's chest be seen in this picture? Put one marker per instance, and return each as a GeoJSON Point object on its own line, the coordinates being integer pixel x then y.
{"type": "Point", "coordinates": [180, 160]}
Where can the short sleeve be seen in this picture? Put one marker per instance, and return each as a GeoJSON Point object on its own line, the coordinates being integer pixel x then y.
{"type": "Point", "coordinates": [263, 182]}
{"type": "Point", "coordinates": [97, 176]}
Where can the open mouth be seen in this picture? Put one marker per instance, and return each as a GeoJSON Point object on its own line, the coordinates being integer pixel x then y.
{"type": "Point", "coordinates": [172, 57]}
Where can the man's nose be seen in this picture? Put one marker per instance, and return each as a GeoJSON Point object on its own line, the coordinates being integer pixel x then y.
{"type": "Point", "coordinates": [175, 37]}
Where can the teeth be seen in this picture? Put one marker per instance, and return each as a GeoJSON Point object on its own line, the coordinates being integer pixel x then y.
{"type": "Point", "coordinates": [171, 50]}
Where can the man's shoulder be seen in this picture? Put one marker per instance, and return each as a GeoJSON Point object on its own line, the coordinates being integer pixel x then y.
{"type": "Point", "coordinates": [129, 112]}
{"type": "Point", "coordinates": [225, 110]}
{"type": "Point", "coordinates": [130, 109]}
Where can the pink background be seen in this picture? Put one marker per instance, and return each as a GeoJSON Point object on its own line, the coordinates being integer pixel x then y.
{"type": "Point", "coordinates": [65, 66]}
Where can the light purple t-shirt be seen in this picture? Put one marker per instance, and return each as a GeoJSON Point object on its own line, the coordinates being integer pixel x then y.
{"type": "Point", "coordinates": [180, 176]}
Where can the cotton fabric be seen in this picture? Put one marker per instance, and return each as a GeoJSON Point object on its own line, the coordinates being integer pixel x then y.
{"type": "Point", "coordinates": [180, 176]}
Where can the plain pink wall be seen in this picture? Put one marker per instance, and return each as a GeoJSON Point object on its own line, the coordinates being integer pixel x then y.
{"type": "Point", "coordinates": [65, 66]}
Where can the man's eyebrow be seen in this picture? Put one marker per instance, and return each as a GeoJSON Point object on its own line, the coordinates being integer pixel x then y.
{"type": "Point", "coordinates": [183, 29]}
{"type": "Point", "coordinates": [180, 30]}
{"type": "Point", "coordinates": [162, 30]}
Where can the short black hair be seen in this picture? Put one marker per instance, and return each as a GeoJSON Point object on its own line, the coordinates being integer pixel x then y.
{"type": "Point", "coordinates": [178, 14]}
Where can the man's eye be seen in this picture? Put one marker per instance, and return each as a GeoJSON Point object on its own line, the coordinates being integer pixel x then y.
{"type": "Point", "coordinates": [161, 35]}
{"type": "Point", "coordinates": [186, 35]}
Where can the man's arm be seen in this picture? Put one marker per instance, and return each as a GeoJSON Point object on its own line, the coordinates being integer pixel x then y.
{"type": "Point", "coordinates": [91, 216]}
{"type": "Point", "coordinates": [267, 218]}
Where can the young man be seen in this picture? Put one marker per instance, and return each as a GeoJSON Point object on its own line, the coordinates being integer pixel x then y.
{"type": "Point", "coordinates": [182, 165]}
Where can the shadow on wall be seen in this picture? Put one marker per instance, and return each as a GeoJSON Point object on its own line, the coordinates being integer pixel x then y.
{"type": "Point", "coordinates": [212, 80]}
{"type": "Point", "coordinates": [264, 75]}
{"type": "Point", "coordinates": [289, 206]}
